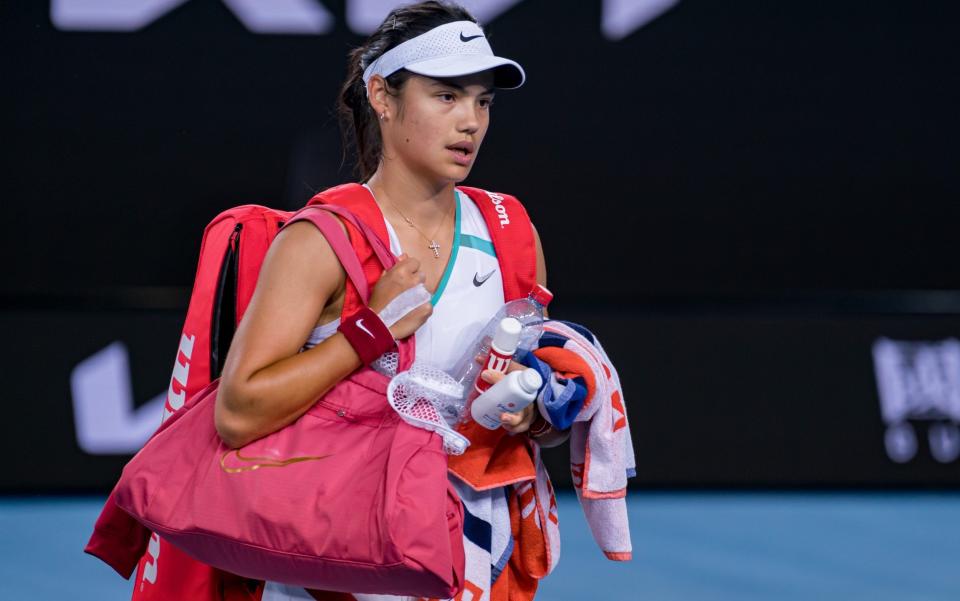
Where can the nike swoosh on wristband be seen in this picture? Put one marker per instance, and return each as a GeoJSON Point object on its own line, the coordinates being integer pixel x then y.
{"type": "Point", "coordinates": [467, 39]}
{"type": "Point", "coordinates": [478, 281]}
{"type": "Point", "coordinates": [364, 328]}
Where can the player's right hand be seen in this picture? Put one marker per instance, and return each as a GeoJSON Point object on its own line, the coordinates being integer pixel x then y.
{"type": "Point", "coordinates": [399, 278]}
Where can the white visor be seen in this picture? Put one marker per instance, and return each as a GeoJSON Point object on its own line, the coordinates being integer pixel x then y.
{"type": "Point", "coordinates": [450, 50]}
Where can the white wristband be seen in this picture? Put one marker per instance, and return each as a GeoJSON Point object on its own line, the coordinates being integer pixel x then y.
{"type": "Point", "coordinates": [403, 303]}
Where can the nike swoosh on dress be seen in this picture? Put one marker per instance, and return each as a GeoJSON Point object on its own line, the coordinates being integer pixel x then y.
{"type": "Point", "coordinates": [467, 39]}
{"type": "Point", "coordinates": [478, 280]}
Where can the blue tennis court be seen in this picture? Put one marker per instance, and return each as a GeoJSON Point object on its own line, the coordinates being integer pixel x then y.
{"type": "Point", "coordinates": [717, 546]}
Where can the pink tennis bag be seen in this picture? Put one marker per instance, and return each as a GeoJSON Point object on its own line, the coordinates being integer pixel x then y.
{"type": "Point", "coordinates": [347, 498]}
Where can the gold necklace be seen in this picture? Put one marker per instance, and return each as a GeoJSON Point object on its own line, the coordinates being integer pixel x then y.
{"type": "Point", "coordinates": [433, 245]}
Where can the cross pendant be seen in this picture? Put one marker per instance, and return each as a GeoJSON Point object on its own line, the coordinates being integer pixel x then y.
{"type": "Point", "coordinates": [435, 248]}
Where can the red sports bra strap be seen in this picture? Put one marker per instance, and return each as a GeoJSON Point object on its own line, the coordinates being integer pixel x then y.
{"type": "Point", "coordinates": [512, 234]}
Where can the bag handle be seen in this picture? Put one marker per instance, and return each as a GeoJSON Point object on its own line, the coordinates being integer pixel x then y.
{"type": "Point", "coordinates": [384, 255]}
{"type": "Point", "coordinates": [332, 230]}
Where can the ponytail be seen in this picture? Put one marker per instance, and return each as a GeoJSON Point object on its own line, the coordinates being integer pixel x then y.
{"type": "Point", "coordinates": [358, 125]}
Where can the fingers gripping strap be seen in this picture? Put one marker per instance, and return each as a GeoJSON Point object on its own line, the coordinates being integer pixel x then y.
{"type": "Point", "coordinates": [367, 334]}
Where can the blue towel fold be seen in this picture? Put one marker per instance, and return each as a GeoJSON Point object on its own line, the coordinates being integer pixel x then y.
{"type": "Point", "coordinates": [562, 398]}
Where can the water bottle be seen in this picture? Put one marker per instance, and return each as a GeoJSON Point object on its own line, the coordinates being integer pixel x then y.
{"type": "Point", "coordinates": [504, 345]}
{"type": "Point", "coordinates": [528, 311]}
{"type": "Point", "coordinates": [511, 394]}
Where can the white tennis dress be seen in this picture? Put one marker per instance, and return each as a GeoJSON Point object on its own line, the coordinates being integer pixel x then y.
{"type": "Point", "coordinates": [469, 293]}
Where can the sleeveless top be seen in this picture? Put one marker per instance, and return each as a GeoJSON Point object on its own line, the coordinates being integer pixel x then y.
{"type": "Point", "coordinates": [469, 293]}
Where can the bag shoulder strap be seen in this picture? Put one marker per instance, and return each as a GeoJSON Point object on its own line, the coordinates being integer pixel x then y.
{"type": "Point", "coordinates": [359, 201]}
{"type": "Point", "coordinates": [331, 230]}
{"type": "Point", "coordinates": [364, 256]}
{"type": "Point", "coordinates": [511, 232]}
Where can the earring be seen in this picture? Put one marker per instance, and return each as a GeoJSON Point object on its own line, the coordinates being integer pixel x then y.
{"type": "Point", "coordinates": [382, 115]}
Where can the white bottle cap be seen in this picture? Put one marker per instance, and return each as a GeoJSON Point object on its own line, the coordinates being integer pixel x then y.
{"type": "Point", "coordinates": [530, 380]}
{"type": "Point", "coordinates": [507, 336]}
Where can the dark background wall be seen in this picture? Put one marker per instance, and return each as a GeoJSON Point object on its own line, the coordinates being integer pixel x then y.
{"type": "Point", "coordinates": [740, 198]}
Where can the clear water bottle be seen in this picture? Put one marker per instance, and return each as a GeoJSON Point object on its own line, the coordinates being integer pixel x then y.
{"type": "Point", "coordinates": [528, 311]}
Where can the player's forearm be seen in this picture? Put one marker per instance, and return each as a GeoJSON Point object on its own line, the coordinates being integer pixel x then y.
{"type": "Point", "coordinates": [274, 396]}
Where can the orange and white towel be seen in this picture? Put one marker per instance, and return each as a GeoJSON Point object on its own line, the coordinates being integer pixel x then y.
{"type": "Point", "coordinates": [601, 449]}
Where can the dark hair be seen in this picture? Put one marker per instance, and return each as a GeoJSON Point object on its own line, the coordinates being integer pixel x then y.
{"type": "Point", "coordinates": [358, 124]}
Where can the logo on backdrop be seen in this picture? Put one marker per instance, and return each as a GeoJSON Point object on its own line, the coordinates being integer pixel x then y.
{"type": "Point", "coordinates": [105, 417]}
{"type": "Point", "coordinates": [297, 17]}
{"type": "Point", "coordinates": [919, 388]}
{"type": "Point", "coordinates": [106, 420]}
{"type": "Point", "coordinates": [620, 18]}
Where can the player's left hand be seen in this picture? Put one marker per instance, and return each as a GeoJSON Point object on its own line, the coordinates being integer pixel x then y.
{"type": "Point", "coordinates": [514, 423]}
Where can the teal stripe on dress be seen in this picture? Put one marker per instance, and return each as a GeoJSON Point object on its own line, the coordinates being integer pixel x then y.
{"type": "Point", "coordinates": [453, 252]}
{"type": "Point", "coordinates": [470, 241]}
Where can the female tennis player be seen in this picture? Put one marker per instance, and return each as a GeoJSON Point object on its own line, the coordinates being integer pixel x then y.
{"type": "Point", "coordinates": [416, 106]}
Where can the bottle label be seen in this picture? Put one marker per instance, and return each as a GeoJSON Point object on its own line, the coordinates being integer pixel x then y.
{"type": "Point", "coordinates": [496, 361]}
